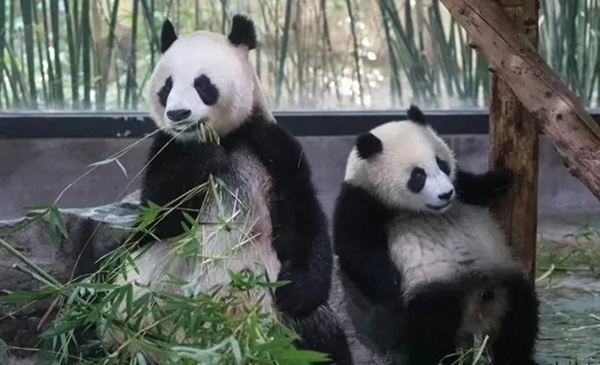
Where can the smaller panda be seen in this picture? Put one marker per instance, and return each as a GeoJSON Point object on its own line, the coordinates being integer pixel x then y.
{"type": "Point", "coordinates": [414, 236]}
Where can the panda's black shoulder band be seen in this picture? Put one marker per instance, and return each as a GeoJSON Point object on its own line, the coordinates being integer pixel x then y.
{"type": "Point", "coordinates": [243, 32]}
{"type": "Point", "coordinates": [416, 115]}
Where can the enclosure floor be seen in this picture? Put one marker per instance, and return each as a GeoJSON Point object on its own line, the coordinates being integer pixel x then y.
{"type": "Point", "coordinates": [570, 297]}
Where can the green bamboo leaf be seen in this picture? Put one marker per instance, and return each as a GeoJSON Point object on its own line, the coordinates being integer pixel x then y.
{"type": "Point", "coordinates": [19, 297]}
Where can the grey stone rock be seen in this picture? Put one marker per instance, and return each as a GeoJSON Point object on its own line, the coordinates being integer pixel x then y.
{"type": "Point", "coordinates": [91, 233]}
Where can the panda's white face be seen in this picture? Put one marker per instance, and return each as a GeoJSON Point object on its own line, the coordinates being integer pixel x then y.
{"type": "Point", "coordinates": [202, 78]}
{"type": "Point", "coordinates": [406, 165]}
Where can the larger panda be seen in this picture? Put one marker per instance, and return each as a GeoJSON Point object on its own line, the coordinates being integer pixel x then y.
{"type": "Point", "coordinates": [204, 82]}
{"type": "Point", "coordinates": [414, 237]}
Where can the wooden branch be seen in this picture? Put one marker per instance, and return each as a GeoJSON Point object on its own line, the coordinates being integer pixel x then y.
{"type": "Point", "coordinates": [514, 144]}
{"type": "Point", "coordinates": [560, 117]}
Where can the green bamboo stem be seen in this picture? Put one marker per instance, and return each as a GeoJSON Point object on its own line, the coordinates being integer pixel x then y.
{"type": "Point", "coordinates": [86, 51]}
{"type": "Point", "coordinates": [16, 79]}
{"type": "Point", "coordinates": [52, 89]}
{"type": "Point", "coordinates": [355, 53]}
{"type": "Point", "coordinates": [130, 88]}
{"type": "Point", "coordinates": [30, 264]}
{"type": "Point", "coordinates": [108, 60]}
{"type": "Point", "coordinates": [27, 12]}
{"type": "Point", "coordinates": [11, 26]}
{"type": "Point", "coordinates": [3, 89]}
{"type": "Point", "coordinates": [395, 85]}
{"type": "Point", "coordinates": [40, 54]}
{"type": "Point", "coordinates": [54, 18]}
{"type": "Point", "coordinates": [329, 50]}
{"type": "Point", "coordinates": [284, 49]}
{"type": "Point", "coordinates": [74, 68]}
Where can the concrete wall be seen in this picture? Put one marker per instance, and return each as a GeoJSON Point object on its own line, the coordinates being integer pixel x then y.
{"type": "Point", "coordinates": [34, 172]}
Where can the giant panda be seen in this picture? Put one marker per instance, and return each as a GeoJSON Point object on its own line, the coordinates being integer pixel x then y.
{"type": "Point", "coordinates": [214, 127]}
{"type": "Point", "coordinates": [414, 238]}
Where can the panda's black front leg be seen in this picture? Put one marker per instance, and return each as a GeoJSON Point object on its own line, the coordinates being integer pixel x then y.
{"type": "Point", "coordinates": [360, 241]}
{"type": "Point", "coordinates": [174, 173]}
{"type": "Point", "coordinates": [433, 317]}
{"type": "Point", "coordinates": [300, 234]}
{"type": "Point", "coordinates": [480, 189]}
{"type": "Point", "coordinates": [515, 342]}
{"type": "Point", "coordinates": [301, 239]}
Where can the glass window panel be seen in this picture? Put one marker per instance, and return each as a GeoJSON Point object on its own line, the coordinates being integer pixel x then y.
{"type": "Point", "coordinates": [313, 54]}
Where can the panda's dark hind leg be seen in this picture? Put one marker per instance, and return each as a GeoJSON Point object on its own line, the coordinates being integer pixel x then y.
{"type": "Point", "coordinates": [515, 342]}
{"type": "Point", "coordinates": [433, 317]}
{"type": "Point", "coordinates": [321, 331]}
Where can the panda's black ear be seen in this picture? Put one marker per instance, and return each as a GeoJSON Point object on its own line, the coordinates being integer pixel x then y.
{"type": "Point", "coordinates": [368, 145]}
{"type": "Point", "coordinates": [416, 115]}
{"type": "Point", "coordinates": [167, 36]}
{"type": "Point", "coordinates": [243, 32]}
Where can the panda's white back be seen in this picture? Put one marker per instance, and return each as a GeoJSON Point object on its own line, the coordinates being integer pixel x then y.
{"type": "Point", "coordinates": [443, 247]}
{"type": "Point", "coordinates": [245, 204]}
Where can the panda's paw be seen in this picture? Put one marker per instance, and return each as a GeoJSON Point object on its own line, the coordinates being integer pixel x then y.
{"type": "Point", "coordinates": [301, 296]}
{"type": "Point", "coordinates": [499, 180]}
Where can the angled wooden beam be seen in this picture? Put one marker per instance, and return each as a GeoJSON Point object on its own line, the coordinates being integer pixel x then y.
{"type": "Point", "coordinates": [514, 144]}
{"type": "Point", "coordinates": [549, 104]}
{"type": "Point", "coordinates": [559, 115]}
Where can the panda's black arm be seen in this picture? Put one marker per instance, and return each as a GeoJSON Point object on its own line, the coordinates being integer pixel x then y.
{"type": "Point", "coordinates": [174, 170]}
{"type": "Point", "coordinates": [360, 241]}
{"type": "Point", "coordinates": [300, 235]}
{"type": "Point", "coordinates": [480, 189]}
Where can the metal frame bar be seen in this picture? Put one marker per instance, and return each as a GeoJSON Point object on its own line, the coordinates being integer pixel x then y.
{"type": "Point", "coordinates": [301, 123]}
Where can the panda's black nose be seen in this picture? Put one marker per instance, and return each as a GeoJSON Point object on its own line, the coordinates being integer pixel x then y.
{"type": "Point", "coordinates": [178, 114]}
{"type": "Point", "coordinates": [446, 196]}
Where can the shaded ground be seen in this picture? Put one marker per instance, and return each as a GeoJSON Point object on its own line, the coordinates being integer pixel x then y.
{"type": "Point", "coordinates": [570, 296]}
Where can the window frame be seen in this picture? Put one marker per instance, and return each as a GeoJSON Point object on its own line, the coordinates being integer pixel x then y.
{"type": "Point", "coordinates": [93, 124]}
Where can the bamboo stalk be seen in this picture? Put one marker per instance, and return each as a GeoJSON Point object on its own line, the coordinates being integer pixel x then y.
{"type": "Point", "coordinates": [54, 18]}
{"type": "Point", "coordinates": [355, 53]}
{"type": "Point", "coordinates": [329, 50]}
{"type": "Point", "coordinates": [74, 68]}
{"type": "Point", "coordinates": [38, 41]}
{"type": "Point", "coordinates": [108, 60]}
{"type": "Point", "coordinates": [84, 29]}
{"type": "Point", "coordinates": [3, 88]}
{"type": "Point", "coordinates": [130, 87]}
{"type": "Point", "coordinates": [284, 49]}
{"type": "Point", "coordinates": [16, 79]}
{"type": "Point", "coordinates": [51, 82]}
{"type": "Point", "coordinates": [27, 12]}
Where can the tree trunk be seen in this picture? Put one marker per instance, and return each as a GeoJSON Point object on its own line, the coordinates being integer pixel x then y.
{"type": "Point", "coordinates": [551, 106]}
{"type": "Point", "coordinates": [511, 125]}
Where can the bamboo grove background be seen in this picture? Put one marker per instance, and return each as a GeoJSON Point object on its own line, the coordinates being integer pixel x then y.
{"type": "Point", "coordinates": [313, 54]}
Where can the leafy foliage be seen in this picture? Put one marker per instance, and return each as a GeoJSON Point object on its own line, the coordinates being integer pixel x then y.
{"type": "Point", "coordinates": [71, 54]}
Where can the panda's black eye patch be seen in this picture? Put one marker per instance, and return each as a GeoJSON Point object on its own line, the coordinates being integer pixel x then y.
{"type": "Point", "coordinates": [443, 165]}
{"type": "Point", "coordinates": [207, 91]}
{"type": "Point", "coordinates": [164, 91]}
{"type": "Point", "coordinates": [417, 180]}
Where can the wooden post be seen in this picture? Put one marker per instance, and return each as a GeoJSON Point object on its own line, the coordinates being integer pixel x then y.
{"type": "Point", "coordinates": [514, 144]}
{"type": "Point", "coordinates": [557, 113]}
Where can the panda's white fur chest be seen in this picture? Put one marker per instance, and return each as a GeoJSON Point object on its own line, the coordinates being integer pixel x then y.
{"type": "Point", "coordinates": [243, 202]}
{"type": "Point", "coordinates": [429, 247]}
